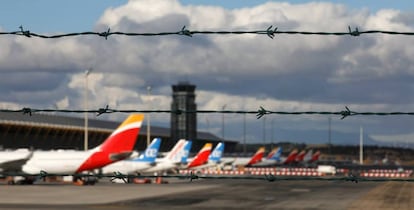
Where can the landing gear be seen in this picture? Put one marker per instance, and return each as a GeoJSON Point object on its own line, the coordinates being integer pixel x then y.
{"type": "Point", "coordinates": [19, 180]}
{"type": "Point", "coordinates": [85, 180]}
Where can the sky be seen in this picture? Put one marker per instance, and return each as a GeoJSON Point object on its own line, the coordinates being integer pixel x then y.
{"type": "Point", "coordinates": [370, 73]}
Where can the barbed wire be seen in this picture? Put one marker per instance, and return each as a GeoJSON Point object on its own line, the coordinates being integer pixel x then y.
{"type": "Point", "coordinates": [259, 113]}
{"type": "Point", "coordinates": [192, 176]}
{"type": "Point", "coordinates": [270, 32]}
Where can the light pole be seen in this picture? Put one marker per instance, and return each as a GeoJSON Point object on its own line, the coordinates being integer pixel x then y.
{"type": "Point", "coordinates": [244, 134]}
{"type": "Point", "coordinates": [272, 134]}
{"type": "Point", "coordinates": [329, 136]}
{"type": "Point", "coordinates": [85, 140]}
{"type": "Point", "coordinates": [264, 131]}
{"type": "Point", "coordinates": [222, 122]}
{"type": "Point", "coordinates": [149, 115]}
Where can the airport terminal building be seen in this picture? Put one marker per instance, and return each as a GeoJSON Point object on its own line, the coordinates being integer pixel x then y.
{"type": "Point", "coordinates": [52, 131]}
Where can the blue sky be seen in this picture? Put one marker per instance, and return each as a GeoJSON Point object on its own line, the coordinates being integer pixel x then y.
{"type": "Point", "coordinates": [79, 15]}
{"type": "Point", "coordinates": [53, 16]}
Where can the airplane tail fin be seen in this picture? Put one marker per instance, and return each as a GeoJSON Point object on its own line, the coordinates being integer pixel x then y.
{"type": "Point", "coordinates": [257, 157]}
{"type": "Point", "coordinates": [186, 151]}
{"type": "Point", "coordinates": [308, 156]}
{"type": "Point", "coordinates": [299, 158]}
{"type": "Point", "coordinates": [175, 155]}
{"type": "Point", "coordinates": [124, 137]}
{"type": "Point", "coordinates": [150, 154]}
{"type": "Point", "coordinates": [202, 156]}
{"type": "Point", "coordinates": [291, 157]}
{"type": "Point", "coordinates": [117, 146]}
{"type": "Point", "coordinates": [315, 156]}
{"type": "Point", "coordinates": [217, 153]}
{"type": "Point", "coordinates": [271, 153]}
{"type": "Point", "coordinates": [275, 154]}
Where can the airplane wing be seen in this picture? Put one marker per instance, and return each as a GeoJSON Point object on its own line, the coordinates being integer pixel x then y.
{"type": "Point", "coordinates": [11, 162]}
{"type": "Point", "coordinates": [119, 156]}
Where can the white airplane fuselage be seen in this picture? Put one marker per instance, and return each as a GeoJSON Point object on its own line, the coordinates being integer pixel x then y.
{"type": "Point", "coordinates": [236, 161]}
{"type": "Point", "coordinates": [126, 167]}
{"type": "Point", "coordinates": [162, 165]}
{"type": "Point", "coordinates": [209, 164]}
{"type": "Point", "coordinates": [56, 162]}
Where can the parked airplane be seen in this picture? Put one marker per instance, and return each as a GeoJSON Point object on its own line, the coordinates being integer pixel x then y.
{"type": "Point", "coordinates": [117, 146]}
{"type": "Point", "coordinates": [207, 161]}
{"type": "Point", "coordinates": [299, 157]}
{"type": "Point", "coordinates": [172, 159]}
{"type": "Point", "coordinates": [276, 153]}
{"type": "Point", "coordinates": [185, 152]}
{"type": "Point", "coordinates": [143, 161]}
{"type": "Point", "coordinates": [312, 158]}
{"type": "Point", "coordinates": [278, 159]}
{"type": "Point", "coordinates": [273, 158]}
{"type": "Point", "coordinates": [245, 161]}
{"type": "Point", "coordinates": [290, 159]}
{"type": "Point", "coordinates": [214, 159]}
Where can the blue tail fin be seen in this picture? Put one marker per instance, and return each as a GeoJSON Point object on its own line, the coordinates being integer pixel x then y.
{"type": "Point", "coordinates": [215, 156]}
{"type": "Point", "coordinates": [150, 154]}
{"type": "Point", "coordinates": [186, 151]}
{"type": "Point", "coordinates": [277, 154]}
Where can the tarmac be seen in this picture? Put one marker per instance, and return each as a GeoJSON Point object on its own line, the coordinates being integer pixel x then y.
{"type": "Point", "coordinates": [211, 194]}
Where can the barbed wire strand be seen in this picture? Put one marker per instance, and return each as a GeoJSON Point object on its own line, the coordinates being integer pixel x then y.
{"type": "Point", "coordinates": [270, 32]}
{"type": "Point", "coordinates": [192, 176]}
{"type": "Point", "coordinates": [259, 113]}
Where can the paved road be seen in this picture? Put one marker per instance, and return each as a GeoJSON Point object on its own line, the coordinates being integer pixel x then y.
{"type": "Point", "coordinates": [212, 194]}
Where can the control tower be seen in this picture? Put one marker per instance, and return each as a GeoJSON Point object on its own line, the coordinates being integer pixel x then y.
{"type": "Point", "coordinates": [183, 125]}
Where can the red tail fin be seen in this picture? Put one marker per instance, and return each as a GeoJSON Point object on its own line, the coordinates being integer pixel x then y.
{"type": "Point", "coordinates": [291, 157]}
{"type": "Point", "coordinates": [202, 156]}
{"type": "Point", "coordinates": [124, 137]}
{"type": "Point", "coordinates": [257, 157]}
{"type": "Point", "coordinates": [300, 156]}
{"type": "Point", "coordinates": [117, 146]}
{"type": "Point", "coordinates": [315, 156]}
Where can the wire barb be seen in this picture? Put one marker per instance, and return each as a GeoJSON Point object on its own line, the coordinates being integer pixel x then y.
{"type": "Point", "coordinates": [185, 32]}
{"type": "Point", "coordinates": [352, 178]}
{"type": "Point", "coordinates": [355, 32]}
{"type": "Point", "coordinates": [43, 174]}
{"type": "Point", "coordinates": [104, 110]}
{"type": "Point", "coordinates": [271, 33]}
{"type": "Point", "coordinates": [105, 33]}
{"type": "Point", "coordinates": [347, 113]}
{"type": "Point", "coordinates": [270, 177]}
{"type": "Point", "coordinates": [119, 175]}
{"type": "Point", "coordinates": [261, 112]}
{"type": "Point", "coordinates": [27, 110]}
{"type": "Point", "coordinates": [192, 176]}
{"type": "Point", "coordinates": [177, 111]}
{"type": "Point", "coordinates": [23, 32]}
